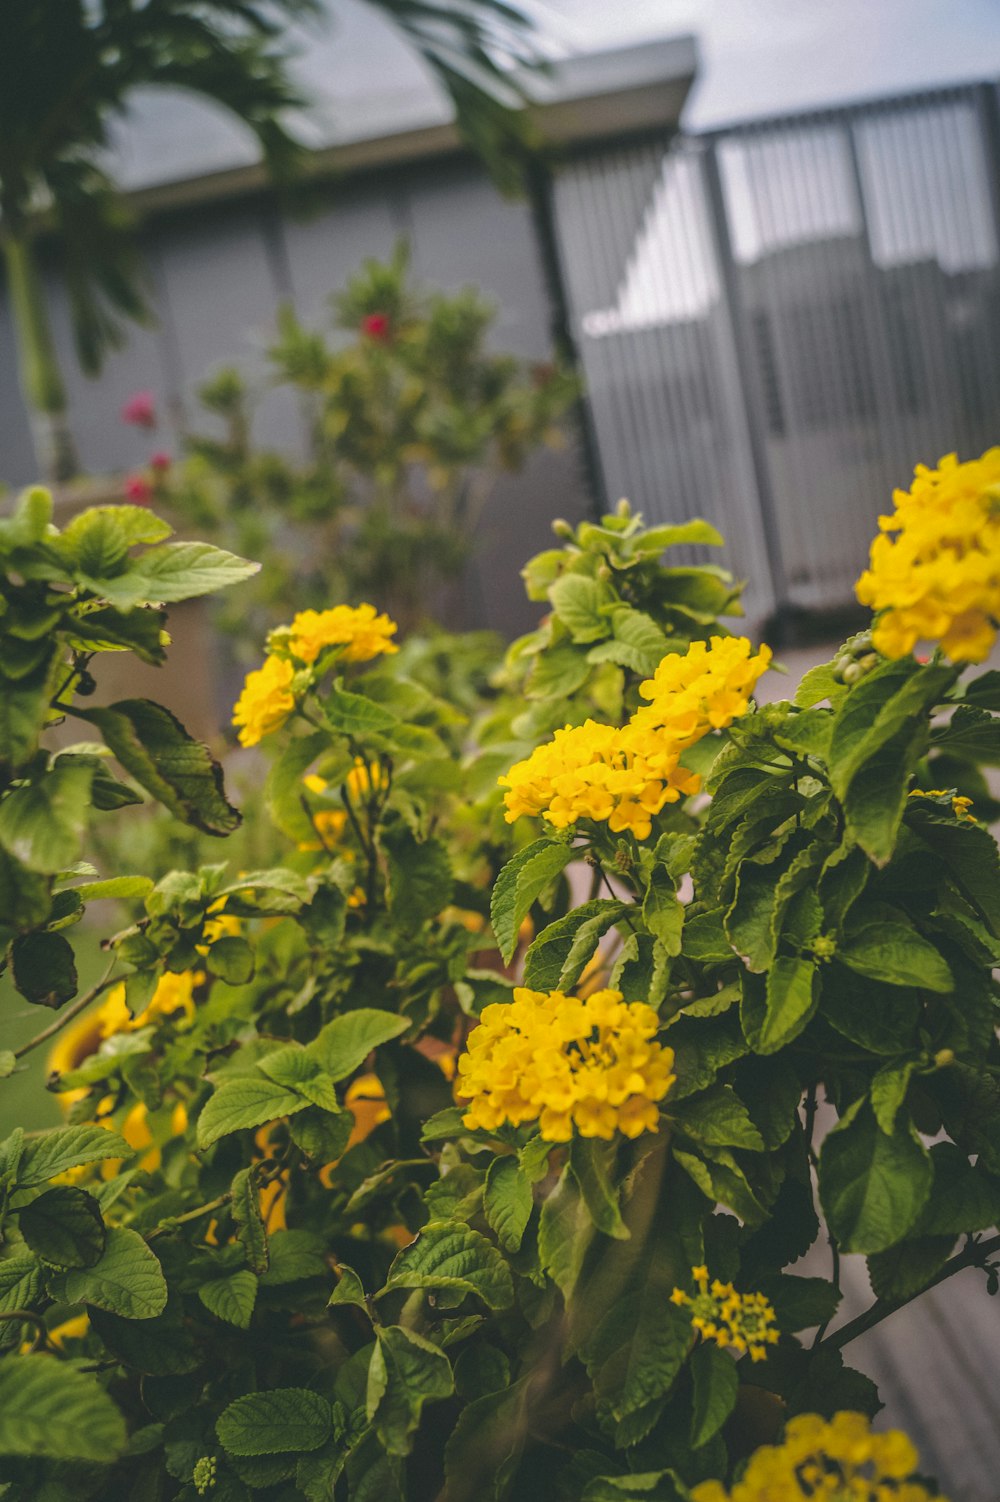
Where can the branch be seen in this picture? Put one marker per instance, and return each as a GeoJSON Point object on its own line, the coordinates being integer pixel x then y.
{"type": "Point", "coordinates": [974, 1255]}
{"type": "Point", "coordinates": [78, 1006]}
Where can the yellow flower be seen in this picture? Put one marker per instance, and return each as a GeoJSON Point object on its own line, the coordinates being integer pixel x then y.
{"type": "Point", "coordinates": [266, 701]}
{"type": "Point", "coordinates": [174, 993]}
{"type": "Point", "coordinates": [934, 569]}
{"type": "Point", "coordinates": [841, 1460]}
{"type": "Point", "coordinates": [592, 1064]}
{"type": "Point", "coordinates": [624, 776]}
{"type": "Point", "coordinates": [362, 633]}
{"type": "Point", "coordinates": [365, 778]}
{"type": "Point", "coordinates": [960, 805]}
{"type": "Point", "coordinates": [745, 1322]}
{"type": "Point", "coordinates": [329, 826]}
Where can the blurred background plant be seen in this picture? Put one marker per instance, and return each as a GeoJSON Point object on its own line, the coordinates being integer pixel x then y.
{"type": "Point", "coordinates": [410, 419]}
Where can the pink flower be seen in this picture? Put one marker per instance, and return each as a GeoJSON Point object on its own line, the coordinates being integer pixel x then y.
{"type": "Point", "coordinates": [140, 410]}
{"type": "Point", "coordinates": [376, 326]}
{"type": "Point", "coordinates": [138, 490]}
{"type": "Point", "coordinates": [160, 461]}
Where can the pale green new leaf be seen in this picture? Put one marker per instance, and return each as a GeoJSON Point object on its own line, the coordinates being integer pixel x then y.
{"type": "Point", "coordinates": [246, 1101]}
{"type": "Point", "coordinates": [127, 1278]}
{"type": "Point", "coordinates": [52, 1153]}
{"type": "Point", "coordinates": [343, 1044]}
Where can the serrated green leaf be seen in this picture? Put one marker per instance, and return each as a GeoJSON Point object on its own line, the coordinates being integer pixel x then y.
{"type": "Point", "coordinates": [127, 1278]}
{"type": "Point", "coordinates": [41, 823]}
{"type": "Point", "coordinates": [406, 1371]}
{"type": "Point", "coordinates": [896, 954]}
{"type": "Point", "coordinates": [717, 1117]}
{"type": "Point", "coordinates": [714, 1388]}
{"type": "Point", "coordinates": [231, 959]}
{"type": "Point", "coordinates": [280, 1422]}
{"type": "Point", "coordinates": [445, 1255]}
{"type": "Point", "coordinates": [577, 600]}
{"type": "Point", "coordinates": [790, 999]}
{"type": "Point", "coordinates": [547, 960]}
{"type": "Point", "coordinates": [872, 1185]}
{"type": "Point", "coordinates": [53, 1152]}
{"type": "Point", "coordinates": [519, 884]}
{"type": "Point", "coordinates": [64, 1227]}
{"type": "Point", "coordinates": [342, 1045]}
{"type": "Point", "coordinates": [971, 733]}
{"type": "Point", "coordinates": [295, 1256]}
{"type": "Point", "coordinates": [174, 571]}
{"type": "Point", "coordinates": [247, 1101]}
{"type": "Point", "coordinates": [232, 1298]}
{"type": "Point", "coordinates": [250, 1229]}
{"type": "Point", "coordinates": [349, 1290]}
{"type": "Point", "coordinates": [49, 1409]}
{"type": "Point", "coordinates": [420, 876]}
{"type": "Point", "coordinates": [592, 1169]}
{"type": "Point", "coordinates": [565, 1231]}
{"type": "Point", "coordinates": [507, 1201]}
{"type": "Point", "coordinates": [662, 913]}
{"type": "Point", "coordinates": [888, 1093]}
{"type": "Point", "coordinates": [356, 715]}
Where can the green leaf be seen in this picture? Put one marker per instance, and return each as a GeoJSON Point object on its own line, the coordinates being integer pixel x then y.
{"type": "Point", "coordinates": [231, 959]}
{"type": "Point", "coordinates": [20, 1280]}
{"type": "Point", "coordinates": [283, 790]}
{"type": "Point", "coordinates": [521, 881]}
{"type": "Point", "coordinates": [126, 1279]}
{"type": "Point", "coordinates": [354, 714]}
{"type": "Point", "coordinates": [721, 1179]}
{"type": "Point", "coordinates": [791, 998]}
{"type": "Point", "coordinates": [902, 1271]}
{"type": "Point", "coordinates": [800, 1303]}
{"type": "Point", "coordinates": [984, 690]}
{"type": "Point", "coordinates": [231, 1299]}
{"type": "Point", "coordinates": [321, 1135]}
{"type": "Point", "coordinates": [349, 1290]}
{"type": "Point", "coordinates": [963, 1198]}
{"type": "Point", "coordinates": [718, 1118]}
{"type": "Point", "coordinates": [41, 824]}
{"type": "Point", "coordinates": [897, 954]}
{"type": "Point", "coordinates": [23, 707]}
{"type": "Point", "coordinates": [179, 771]}
{"type": "Point", "coordinates": [49, 1409]}
{"type": "Point", "coordinates": [406, 1372]}
{"type": "Point", "coordinates": [873, 1185]}
{"type": "Point", "coordinates": [247, 1101]}
{"type": "Point", "coordinates": [88, 534]}
{"type": "Point", "coordinates": [295, 1256]}
{"type": "Point", "coordinates": [507, 1202]}
{"type": "Point", "coordinates": [250, 1230]}
{"type": "Point", "coordinates": [44, 968]}
{"type": "Point", "coordinates": [888, 1092]}
{"type": "Point", "coordinates": [972, 734]}
{"type": "Point", "coordinates": [565, 1231]}
{"type": "Point", "coordinates": [64, 1227]}
{"type": "Point", "coordinates": [175, 571]}
{"type": "Point", "coordinates": [547, 964]}
{"type": "Point", "coordinates": [53, 1152]}
{"type": "Point", "coordinates": [342, 1045]}
{"type": "Point", "coordinates": [817, 684]}
{"type": "Point", "coordinates": [116, 888]}
{"type": "Point", "coordinates": [591, 1165]}
{"type": "Point", "coordinates": [637, 643]}
{"type": "Point", "coordinates": [693, 533]}
{"type": "Point", "coordinates": [445, 1255]}
{"type": "Point", "coordinates": [714, 1385]}
{"type": "Point", "coordinates": [280, 1422]}
{"type": "Point", "coordinates": [420, 876]}
{"type": "Point", "coordinates": [662, 913]}
{"type": "Point", "coordinates": [578, 600]}
{"type": "Point", "coordinates": [557, 673]}
{"type": "Point", "coordinates": [483, 1450]}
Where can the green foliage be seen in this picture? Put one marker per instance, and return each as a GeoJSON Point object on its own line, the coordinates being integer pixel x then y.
{"type": "Point", "coordinates": [267, 1256]}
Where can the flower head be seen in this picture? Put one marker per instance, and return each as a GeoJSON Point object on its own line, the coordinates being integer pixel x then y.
{"type": "Point", "coordinates": [140, 410]}
{"type": "Point", "coordinates": [934, 570]}
{"type": "Point", "coordinates": [590, 1064]}
{"type": "Point", "coordinates": [624, 776]}
{"type": "Point", "coordinates": [362, 633]}
{"type": "Point", "coordinates": [266, 701]}
{"type": "Point", "coordinates": [743, 1321]}
{"type": "Point", "coordinates": [160, 461]}
{"type": "Point", "coordinates": [840, 1459]}
{"type": "Point", "coordinates": [377, 326]}
{"type": "Point", "coordinates": [138, 490]}
{"type": "Point", "coordinates": [960, 805]}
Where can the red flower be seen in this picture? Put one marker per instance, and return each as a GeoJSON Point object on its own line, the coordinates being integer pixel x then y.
{"type": "Point", "coordinates": [138, 490]}
{"type": "Point", "coordinates": [160, 461]}
{"type": "Point", "coordinates": [140, 410]}
{"type": "Point", "coordinates": [376, 326]}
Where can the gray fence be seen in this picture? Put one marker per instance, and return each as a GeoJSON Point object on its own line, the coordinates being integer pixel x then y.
{"type": "Point", "coordinates": [778, 320]}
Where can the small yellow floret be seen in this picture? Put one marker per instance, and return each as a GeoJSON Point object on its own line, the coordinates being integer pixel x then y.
{"type": "Point", "coordinates": [266, 701]}
{"type": "Point", "coordinates": [591, 1064]}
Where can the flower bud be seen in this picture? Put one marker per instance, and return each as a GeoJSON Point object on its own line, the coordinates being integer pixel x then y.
{"type": "Point", "coordinates": [944, 1057]}
{"type": "Point", "coordinates": [561, 527]}
{"type": "Point", "coordinates": [852, 673]}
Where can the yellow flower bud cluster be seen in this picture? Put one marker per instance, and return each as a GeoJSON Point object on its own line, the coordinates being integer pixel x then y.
{"type": "Point", "coordinates": [840, 1460]}
{"type": "Point", "coordinates": [268, 696]}
{"type": "Point", "coordinates": [744, 1322]}
{"type": "Point", "coordinates": [960, 805]}
{"type": "Point", "coordinates": [624, 776]}
{"type": "Point", "coordinates": [934, 572]}
{"type": "Point", "coordinates": [592, 1064]}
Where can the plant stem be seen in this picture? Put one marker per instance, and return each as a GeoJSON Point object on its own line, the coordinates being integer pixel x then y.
{"type": "Point", "coordinates": [80, 1005]}
{"type": "Point", "coordinates": [196, 1214]}
{"type": "Point", "coordinates": [973, 1255]}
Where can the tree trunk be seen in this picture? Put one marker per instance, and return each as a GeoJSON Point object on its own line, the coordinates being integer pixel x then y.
{"type": "Point", "coordinates": [38, 366]}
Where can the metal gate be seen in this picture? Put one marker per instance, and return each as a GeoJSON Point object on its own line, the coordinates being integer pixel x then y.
{"type": "Point", "coordinates": [776, 321]}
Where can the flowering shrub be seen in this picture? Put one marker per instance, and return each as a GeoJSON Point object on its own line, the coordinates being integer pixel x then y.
{"type": "Point", "coordinates": [466, 1151]}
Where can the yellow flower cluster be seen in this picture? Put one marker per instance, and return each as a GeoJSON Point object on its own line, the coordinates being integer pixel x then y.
{"type": "Point", "coordinates": [840, 1460]}
{"type": "Point", "coordinates": [268, 696]}
{"type": "Point", "coordinates": [362, 633]}
{"type": "Point", "coordinates": [960, 805]}
{"type": "Point", "coordinates": [593, 1064]}
{"type": "Point", "coordinates": [624, 776]}
{"type": "Point", "coordinates": [266, 701]}
{"type": "Point", "coordinates": [934, 571]}
{"type": "Point", "coordinates": [743, 1321]}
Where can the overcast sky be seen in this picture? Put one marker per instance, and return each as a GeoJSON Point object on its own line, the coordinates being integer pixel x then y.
{"type": "Point", "coordinates": [760, 56]}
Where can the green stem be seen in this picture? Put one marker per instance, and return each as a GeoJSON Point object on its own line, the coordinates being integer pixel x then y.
{"type": "Point", "coordinates": [196, 1214]}
{"type": "Point", "coordinates": [74, 1011]}
{"type": "Point", "coordinates": [38, 364]}
{"type": "Point", "coordinates": [975, 1254]}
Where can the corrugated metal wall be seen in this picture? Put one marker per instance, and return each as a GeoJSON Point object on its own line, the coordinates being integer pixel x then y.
{"type": "Point", "coordinates": [800, 310]}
